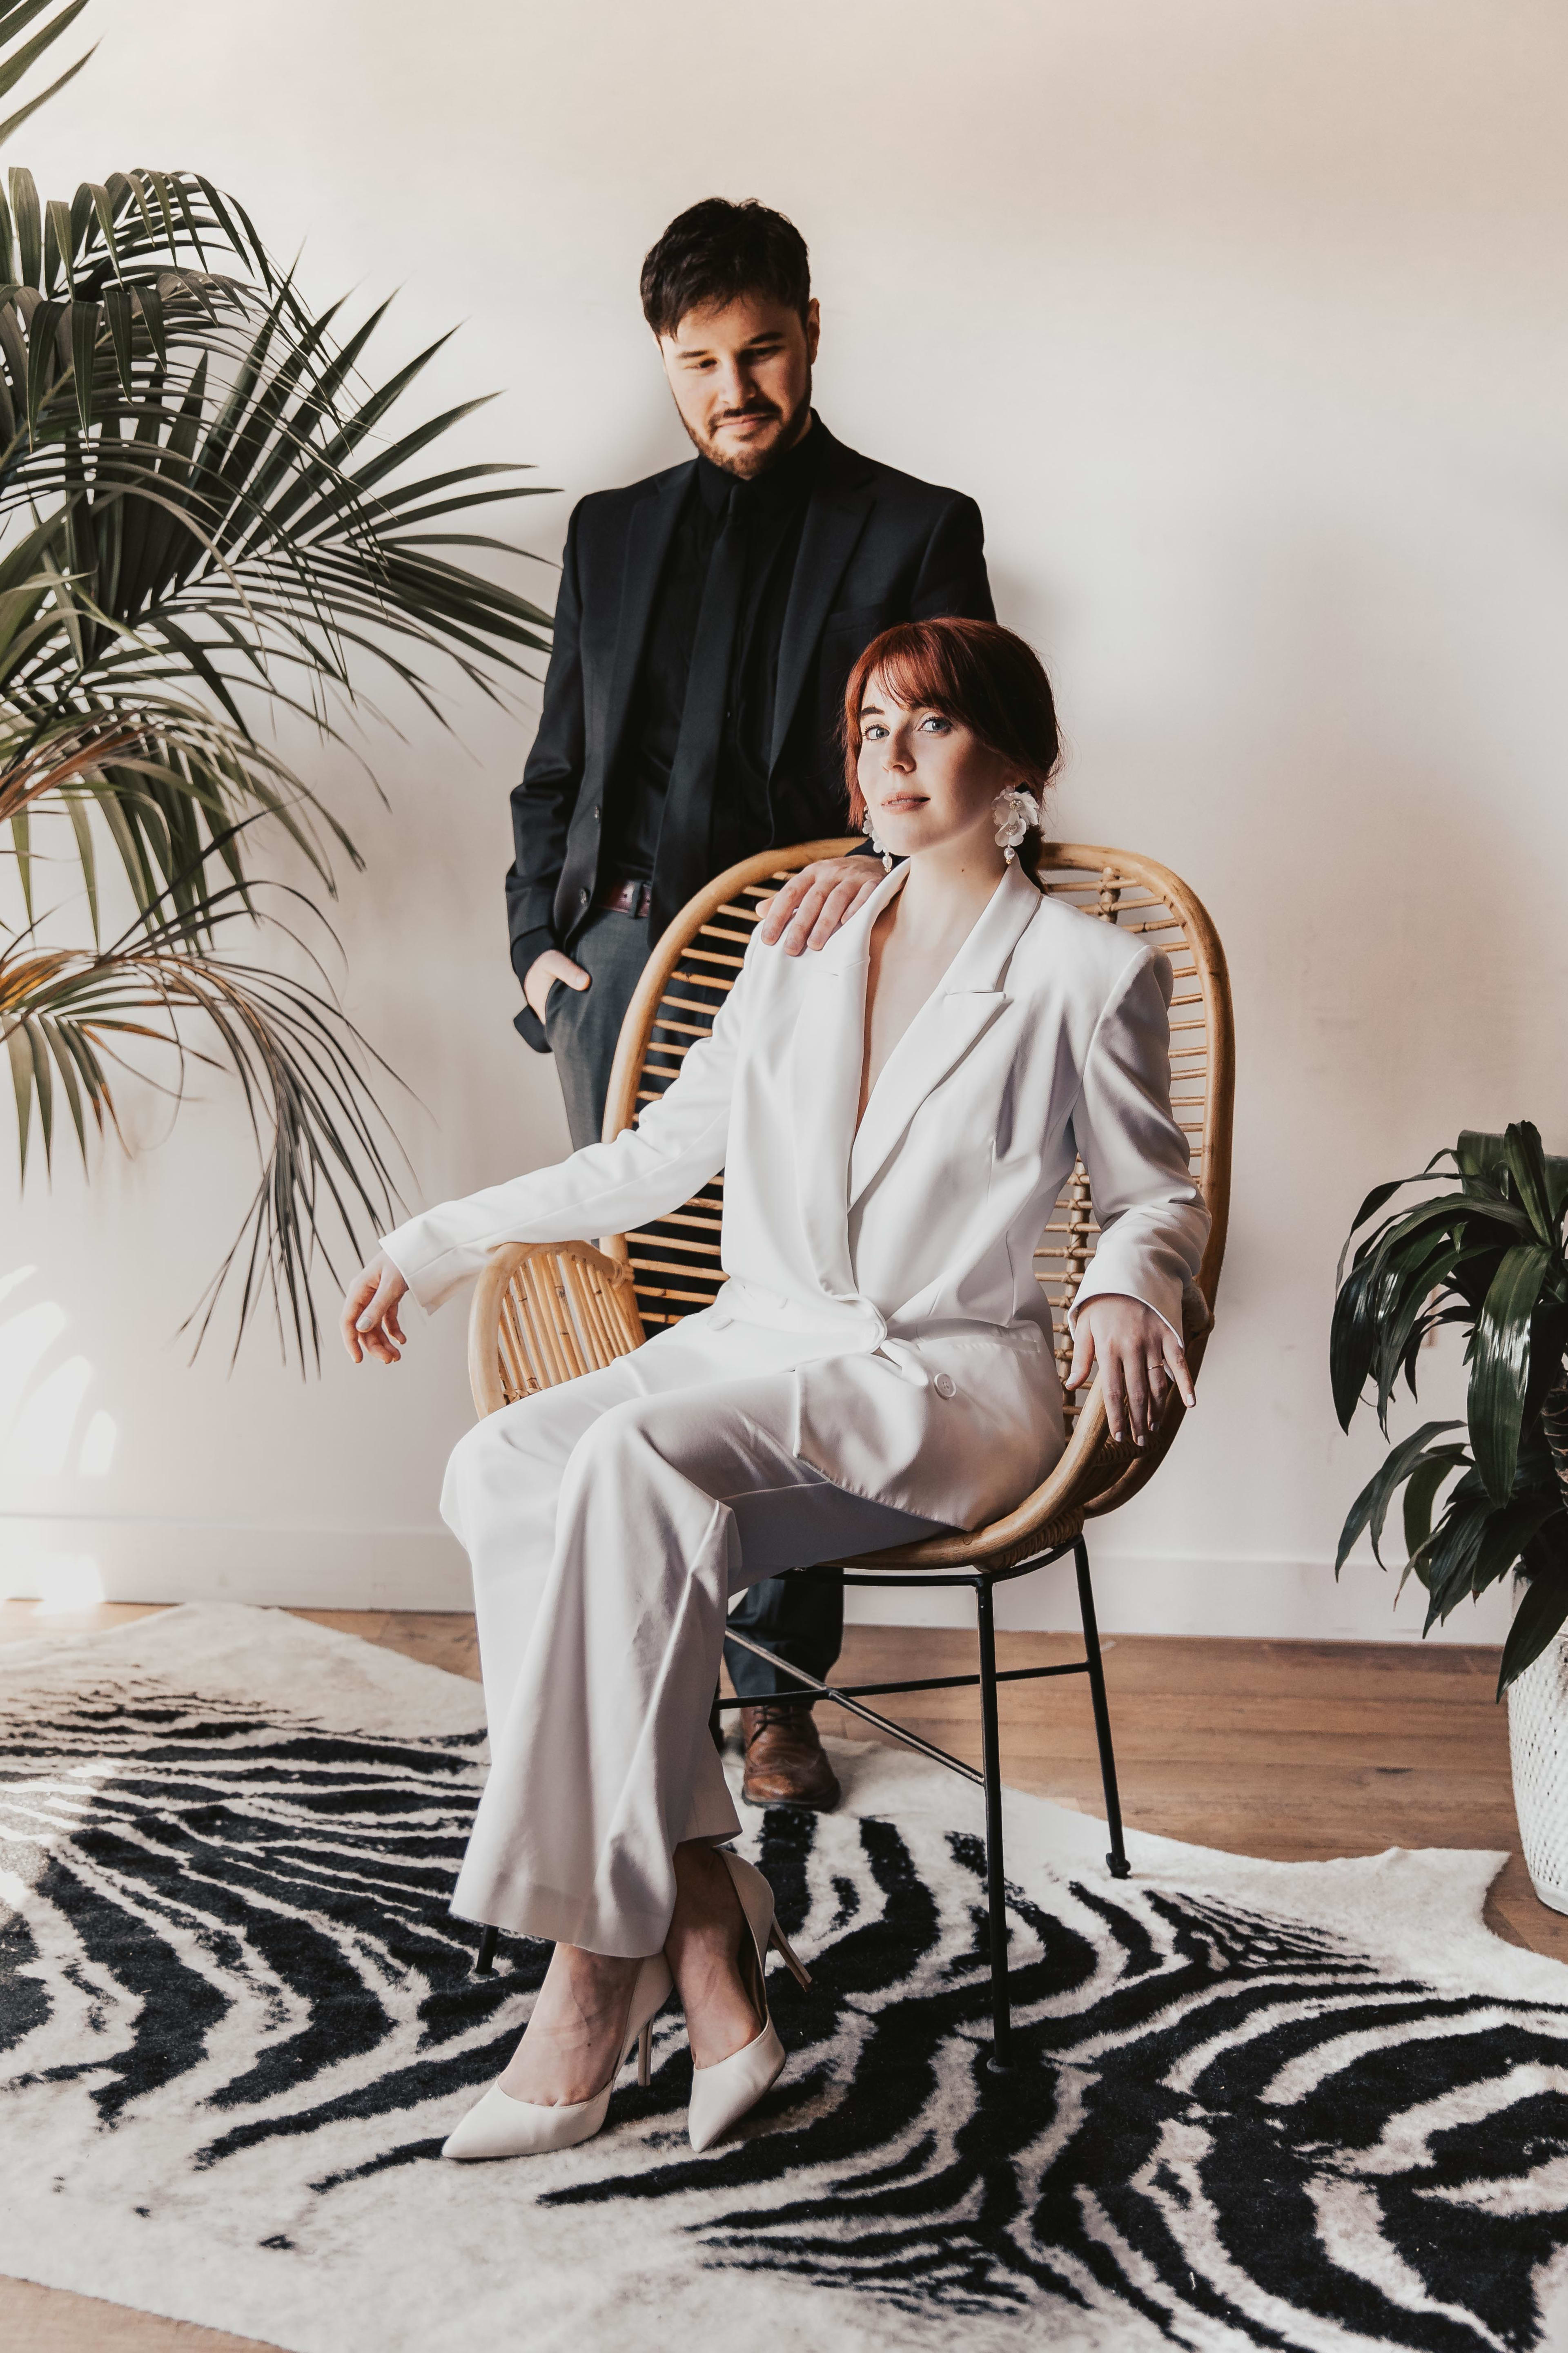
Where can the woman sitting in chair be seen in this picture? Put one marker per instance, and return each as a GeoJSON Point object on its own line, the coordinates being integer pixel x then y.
{"type": "Point", "coordinates": [895, 1118]}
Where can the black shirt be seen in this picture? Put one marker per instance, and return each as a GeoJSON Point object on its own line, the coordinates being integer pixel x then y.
{"type": "Point", "coordinates": [771, 510]}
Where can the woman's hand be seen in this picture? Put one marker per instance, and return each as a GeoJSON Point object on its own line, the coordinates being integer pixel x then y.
{"type": "Point", "coordinates": [370, 1324]}
{"type": "Point", "coordinates": [1140, 1360]}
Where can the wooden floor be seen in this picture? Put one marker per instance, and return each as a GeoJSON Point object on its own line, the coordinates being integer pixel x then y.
{"type": "Point", "coordinates": [1298, 1750]}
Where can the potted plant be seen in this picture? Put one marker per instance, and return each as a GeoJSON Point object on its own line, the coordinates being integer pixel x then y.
{"type": "Point", "coordinates": [1486, 1253]}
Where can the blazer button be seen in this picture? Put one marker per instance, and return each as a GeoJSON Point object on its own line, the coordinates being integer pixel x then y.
{"type": "Point", "coordinates": [582, 895]}
{"type": "Point", "coordinates": [945, 1386]}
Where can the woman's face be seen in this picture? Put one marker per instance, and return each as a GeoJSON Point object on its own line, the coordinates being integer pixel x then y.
{"type": "Point", "coordinates": [928, 780]}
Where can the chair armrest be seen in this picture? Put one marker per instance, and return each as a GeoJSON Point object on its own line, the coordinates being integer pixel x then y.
{"type": "Point", "coordinates": [1093, 1475]}
{"type": "Point", "coordinates": [545, 1312]}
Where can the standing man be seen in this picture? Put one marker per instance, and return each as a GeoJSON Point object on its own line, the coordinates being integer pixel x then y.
{"type": "Point", "coordinates": [706, 626]}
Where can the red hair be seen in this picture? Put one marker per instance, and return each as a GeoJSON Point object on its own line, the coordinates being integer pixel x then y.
{"type": "Point", "coordinates": [975, 673]}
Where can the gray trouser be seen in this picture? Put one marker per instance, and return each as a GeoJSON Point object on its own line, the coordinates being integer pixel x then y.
{"type": "Point", "coordinates": [800, 1619]}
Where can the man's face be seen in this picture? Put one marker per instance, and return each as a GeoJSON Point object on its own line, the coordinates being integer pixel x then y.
{"type": "Point", "coordinates": [742, 380]}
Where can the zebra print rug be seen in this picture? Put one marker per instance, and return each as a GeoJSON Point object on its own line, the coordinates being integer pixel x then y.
{"type": "Point", "coordinates": [1256, 2105]}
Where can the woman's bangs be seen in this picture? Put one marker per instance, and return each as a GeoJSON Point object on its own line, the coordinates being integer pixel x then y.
{"type": "Point", "coordinates": [917, 676]}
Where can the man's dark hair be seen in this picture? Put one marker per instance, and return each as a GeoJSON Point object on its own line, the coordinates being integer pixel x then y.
{"type": "Point", "coordinates": [716, 251]}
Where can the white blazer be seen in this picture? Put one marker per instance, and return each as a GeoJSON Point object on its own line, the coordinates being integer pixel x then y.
{"type": "Point", "coordinates": [902, 1255]}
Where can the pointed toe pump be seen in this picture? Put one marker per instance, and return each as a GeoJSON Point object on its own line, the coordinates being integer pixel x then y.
{"type": "Point", "coordinates": [722, 2095]}
{"type": "Point", "coordinates": [498, 2125]}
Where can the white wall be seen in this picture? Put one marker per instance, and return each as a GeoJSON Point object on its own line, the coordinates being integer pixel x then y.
{"type": "Point", "coordinates": [1243, 322]}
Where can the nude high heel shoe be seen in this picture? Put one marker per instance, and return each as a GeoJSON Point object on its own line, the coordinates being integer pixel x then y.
{"type": "Point", "coordinates": [498, 2125]}
{"type": "Point", "coordinates": [722, 2095]}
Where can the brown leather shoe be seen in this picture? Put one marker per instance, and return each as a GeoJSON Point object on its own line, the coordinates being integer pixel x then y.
{"type": "Point", "coordinates": [786, 1764]}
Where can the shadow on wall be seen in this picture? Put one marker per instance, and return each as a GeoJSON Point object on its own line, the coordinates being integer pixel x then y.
{"type": "Point", "coordinates": [49, 1429]}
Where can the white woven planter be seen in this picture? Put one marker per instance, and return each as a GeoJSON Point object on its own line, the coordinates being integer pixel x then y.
{"type": "Point", "coordinates": [1538, 1743]}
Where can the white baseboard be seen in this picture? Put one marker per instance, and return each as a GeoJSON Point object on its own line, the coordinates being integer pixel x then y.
{"type": "Point", "coordinates": [72, 1563]}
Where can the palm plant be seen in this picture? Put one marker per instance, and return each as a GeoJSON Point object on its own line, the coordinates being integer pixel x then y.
{"type": "Point", "coordinates": [210, 531]}
{"type": "Point", "coordinates": [1490, 1258]}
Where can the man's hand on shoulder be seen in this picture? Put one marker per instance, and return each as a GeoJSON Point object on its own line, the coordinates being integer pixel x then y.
{"type": "Point", "coordinates": [813, 904]}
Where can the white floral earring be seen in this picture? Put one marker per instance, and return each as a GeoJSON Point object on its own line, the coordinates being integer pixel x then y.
{"type": "Point", "coordinates": [885, 855]}
{"type": "Point", "coordinates": [1015, 811]}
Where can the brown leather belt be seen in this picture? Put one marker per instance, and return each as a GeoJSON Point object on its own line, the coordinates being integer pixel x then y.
{"type": "Point", "coordinates": [624, 898]}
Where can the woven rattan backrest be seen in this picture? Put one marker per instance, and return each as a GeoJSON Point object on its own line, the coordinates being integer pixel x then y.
{"type": "Point", "coordinates": [542, 1317]}
{"type": "Point", "coordinates": [1139, 896]}
{"type": "Point", "coordinates": [675, 1262]}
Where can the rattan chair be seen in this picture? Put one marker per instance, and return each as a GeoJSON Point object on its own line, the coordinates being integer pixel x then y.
{"type": "Point", "coordinates": [544, 1314]}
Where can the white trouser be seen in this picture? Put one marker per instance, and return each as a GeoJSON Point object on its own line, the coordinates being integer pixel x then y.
{"type": "Point", "coordinates": [608, 1521]}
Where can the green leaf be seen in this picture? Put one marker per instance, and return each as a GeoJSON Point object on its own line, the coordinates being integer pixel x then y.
{"type": "Point", "coordinates": [15, 121]}
{"type": "Point", "coordinates": [120, 319]}
{"type": "Point", "coordinates": [18, 63]}
{"type": "Point", "coordinates": [1506, 1535]}
{"type": "Point", "coordinates": [1539, 1617]}
{"type": "Point", "coordinates": [43, 1088]}
{"type": "Point", "coordinates": [149, 303]}
{"type": "Point", "coordinates": [1449, 1557]}
{"type": "Point", "coordinates": [29, 219]}
{"type": "Point", "coordinates": [14, 349]}
{"type": "Point", "coordinates": [1406, 1285]}
{"type": "Point", "coordinates": [1556, 1188]}
{"type": "Point", "coordinates": [103, 213]}
{"type": "Point", "coordinates": [1371, 1506]}
{"type": "Point", "coordinates": [1352, 1338]}
{"type": "Point", "coordinates": [1479, 1159]}
{"type": "Point", "coordinates": [59, 246]}
{"type": "Point", "coordinates": [1499, 1366]}
{"type": "Point", "coordinates": [21, 1055]}
{"type": "Point", "coordinates": [68, 1075]}
{"type": "Point", "coordinates": [1527, 1165]}
{"type": "Point", "coordinates": [42, 328]}
{"type": "Point", "coordinates": [84, 352]}
{"type": "Point", "coordinates": [1421, 1494]}
{"type": "Point", "coordinates": [1376, 1197]}
{"type": "Point", "coordinates": [22, 843]}
{"type": "Point", "coordinates": [81, 826]}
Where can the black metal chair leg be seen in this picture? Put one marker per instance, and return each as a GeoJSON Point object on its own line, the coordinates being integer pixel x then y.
{"type": "Point", "coordinates": [1117, 1859]}
{"type": "Point", "coordinates": [995, 1869]}
{"type": "Point", "coordinates": [485, 1964]}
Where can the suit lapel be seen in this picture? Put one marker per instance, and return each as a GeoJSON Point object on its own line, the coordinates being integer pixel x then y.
{"type": "Point", "coordinates": [824, 1073]}
{"type": "Point", "coordinates": [966, 1001]}
{"type": "Point", "coordinates": [835, 518]}
{"type": "Point", "coordinates": [649, 535]}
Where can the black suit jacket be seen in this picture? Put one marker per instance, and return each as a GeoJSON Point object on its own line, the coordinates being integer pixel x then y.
{"type": "Point", "coordinates": [877, 546]}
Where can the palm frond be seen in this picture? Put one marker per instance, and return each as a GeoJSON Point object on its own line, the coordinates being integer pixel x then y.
{"type": "Point", "coordinates": [213, 528]}
{"type": "Point", "coordinates": [18, 56]}
{"type": "Point", "coordinates": [231, 527]}
{"type": "Point", "coordinates": [67, 1016]}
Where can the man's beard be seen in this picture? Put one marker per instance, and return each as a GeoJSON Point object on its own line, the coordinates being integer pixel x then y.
{"type": "Point", "coordinates": [747, 463]}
